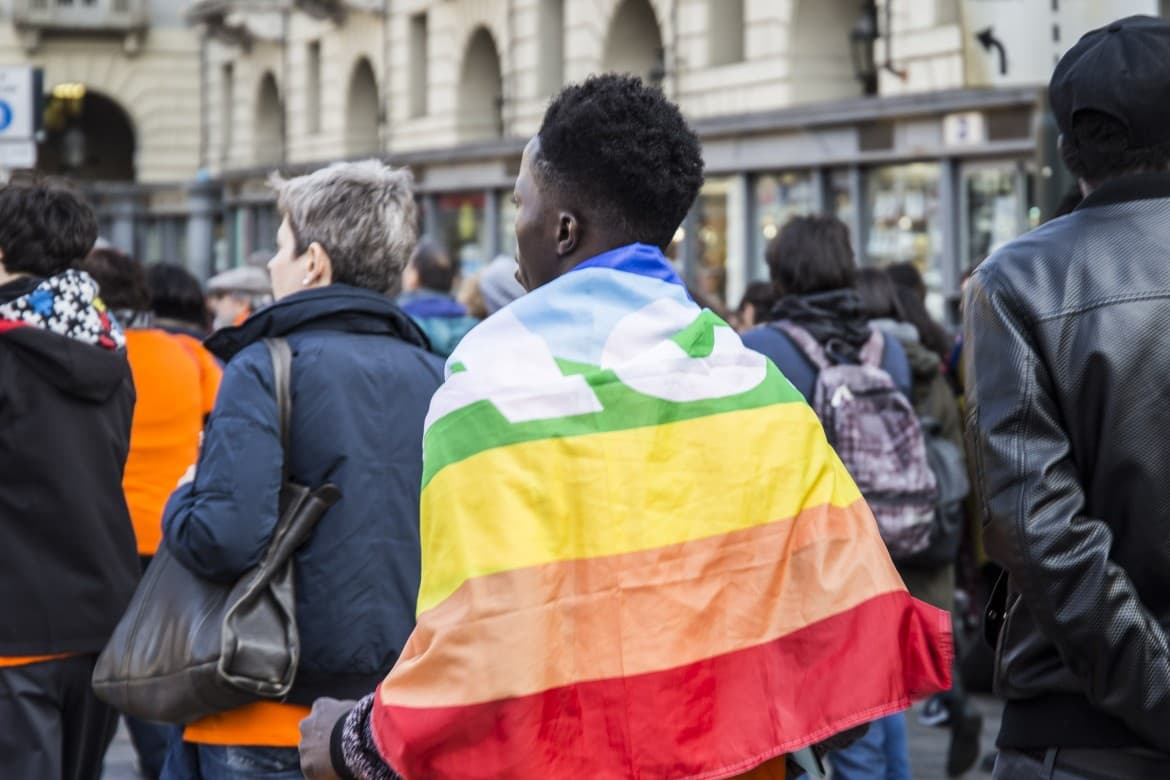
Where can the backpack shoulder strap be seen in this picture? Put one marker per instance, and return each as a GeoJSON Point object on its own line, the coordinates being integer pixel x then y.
{"type": "Point", "coordinates": [874, 349]}
{"type": "Point", "coordinates": [281, 355]}
{"type": "Point", "coordinates": [805, 342]}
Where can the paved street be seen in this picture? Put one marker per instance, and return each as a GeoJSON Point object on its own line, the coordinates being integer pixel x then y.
{"type": "Point", "coordinates": [928, 747]}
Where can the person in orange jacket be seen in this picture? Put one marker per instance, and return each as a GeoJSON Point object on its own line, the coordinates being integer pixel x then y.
{"type": "Point", "coordinates": [176, 380]}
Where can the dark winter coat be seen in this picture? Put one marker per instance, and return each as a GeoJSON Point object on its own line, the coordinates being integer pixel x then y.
{"type": "Point", "coordinates": [68, 559]}
{"type": "Point", "coordinates": [362, 382]}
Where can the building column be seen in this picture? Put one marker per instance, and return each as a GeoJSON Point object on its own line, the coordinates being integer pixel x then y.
{"type": "Point", "coordinates": [123, 210]}
{"type": "Point", "coordinates": [203, 203]}
{"type": "Point", "coordinates": [950, 212]}
{"type": "Point", "coordinates": [859, 225]}
{"type": "Point", "coordinates": [741, 249]}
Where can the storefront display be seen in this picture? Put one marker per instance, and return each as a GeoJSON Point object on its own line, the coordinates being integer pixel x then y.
{"type": "Point", "coordinates": [778, 198]}
{"type": "Point", "coordinates": [996, 212]}
{"type": "Point", "coordinates": [711, 221]}
{"type": "Point", "coordinates": [463, 228]}
{"type": "Point", "coordinates": [905, 224]}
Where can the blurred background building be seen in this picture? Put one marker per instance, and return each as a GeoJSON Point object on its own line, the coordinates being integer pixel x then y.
{"type": "Point", "coordinates": [921, 123]}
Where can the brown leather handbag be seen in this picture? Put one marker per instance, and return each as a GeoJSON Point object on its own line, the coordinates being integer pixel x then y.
{"type": "Point", "coordinates": [187, 647]}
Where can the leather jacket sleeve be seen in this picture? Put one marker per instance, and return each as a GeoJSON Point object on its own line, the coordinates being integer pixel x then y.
{"type": "Point", "coordinates": [1035, 523]}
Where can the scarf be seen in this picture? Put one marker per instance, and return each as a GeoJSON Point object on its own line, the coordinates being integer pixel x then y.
{"type": "Point", "coordinates": [68, 305]}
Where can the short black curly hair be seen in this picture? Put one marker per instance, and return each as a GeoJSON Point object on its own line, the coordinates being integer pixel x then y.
{"type": "Point", "coordinates": [46, 227]}
{"type": "Point", "coordinates": [626, 151]}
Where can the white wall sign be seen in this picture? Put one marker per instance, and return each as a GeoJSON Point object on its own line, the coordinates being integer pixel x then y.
{"type": "Point", "coordinates": [968, 128]}
{"type": "Point", "coordinates": [1018, 42]}
{"type": "Point", "coordinates": [18, 103]}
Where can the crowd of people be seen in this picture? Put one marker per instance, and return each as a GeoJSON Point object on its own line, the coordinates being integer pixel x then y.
{"type": "Point", "coordinates": [579, 526]}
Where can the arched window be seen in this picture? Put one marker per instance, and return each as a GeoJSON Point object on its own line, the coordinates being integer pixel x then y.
{"type": "Point", "coordinates": [362, 111]}
{"type": "Point", "coordinates": [268, 135]}
{"type": "Point", "coordinates": [819, 57]}
{"type": "Point", "coordinates": [481, 90]}
{"type": "Point", "coordinates": [725, 31]}
{"type": "Point", "coordinates": [552, 46]}
{"type": "Point", "coordinates": [88, 137]}
{"type": "Point", "coordinates": [634, 42]}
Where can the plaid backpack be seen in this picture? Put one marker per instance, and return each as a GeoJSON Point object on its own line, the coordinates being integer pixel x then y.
{"type": "Point", "coordinates": [876, 433]}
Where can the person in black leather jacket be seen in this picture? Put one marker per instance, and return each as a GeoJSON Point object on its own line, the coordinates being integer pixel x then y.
{"type": "Point", "coordinates": [1068, 377]}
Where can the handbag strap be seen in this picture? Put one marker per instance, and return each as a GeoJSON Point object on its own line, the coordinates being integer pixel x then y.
{"type": "Point", "coordinates": [281, 355]}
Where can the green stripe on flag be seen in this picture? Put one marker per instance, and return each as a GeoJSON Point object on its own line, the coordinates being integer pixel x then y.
{"type": "Point", "coordinates": [479, 427]}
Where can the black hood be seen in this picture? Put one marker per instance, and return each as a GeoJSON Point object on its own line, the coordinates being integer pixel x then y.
{"type": "Point", "coordinates": [337, 307]}
{"type": "Point", "coordinates": [60, 330]}
{"type": "Point", "coordinates": [831, 317]}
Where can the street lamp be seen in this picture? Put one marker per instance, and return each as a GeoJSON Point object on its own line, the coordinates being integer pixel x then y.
{"type": "Point", "coordinates": [862, 45]}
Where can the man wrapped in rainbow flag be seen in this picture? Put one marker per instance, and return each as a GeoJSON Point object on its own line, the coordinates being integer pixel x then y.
{"type": "Point", "coordinates": [640, 556]}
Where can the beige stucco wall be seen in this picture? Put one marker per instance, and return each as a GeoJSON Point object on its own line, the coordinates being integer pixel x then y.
{"type": "Point", "coordinates": [158, 88]}
{"type": "Point", "coordinates": [795, 51]}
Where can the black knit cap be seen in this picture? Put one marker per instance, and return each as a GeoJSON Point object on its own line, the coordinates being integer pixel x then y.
{"type": "Point", "coordinates": [1123, 70]}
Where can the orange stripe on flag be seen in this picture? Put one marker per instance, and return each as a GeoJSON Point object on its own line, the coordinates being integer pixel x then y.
{"type": "Point", "coordinates": [600, 618]}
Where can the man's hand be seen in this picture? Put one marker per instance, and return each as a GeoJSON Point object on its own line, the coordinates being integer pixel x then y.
{"type": "Point", "coordinates": [316, 730]}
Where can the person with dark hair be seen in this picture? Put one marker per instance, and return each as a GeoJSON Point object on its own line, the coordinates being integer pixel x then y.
{"type": "Point", "coordinates": [814, 277]}
{"type": "Point", "coordinates": [886, 305]}
{"type": "Point", "coordinates": [1067, 362]}
{"type": "Point", "coordinates": [757, 301]}
{"type": "Point", "coordinates": [67, 562]}
{"type": "Point", "coordinates": [570, 622]}
{"type": "Point", "coordinates": [176, 380]}
{"type": "Point", "coordinates": [906, 274]}
{"type": "Point", "coordinates": [177, 300]}
{"type": "Point", "coordinates": [426, 298]}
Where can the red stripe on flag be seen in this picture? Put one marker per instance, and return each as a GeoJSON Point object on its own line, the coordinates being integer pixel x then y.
{"type": "Point", "coordinates": [712, 719]}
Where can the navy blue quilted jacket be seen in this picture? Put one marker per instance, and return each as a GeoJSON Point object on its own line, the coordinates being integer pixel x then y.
{"type": "Point", "coordinates": [362, 381]}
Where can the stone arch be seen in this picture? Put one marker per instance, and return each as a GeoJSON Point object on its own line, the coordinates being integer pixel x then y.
{"type": "Point", "coordinates": [634, 42]}
{"type": "Point", "coordinates": [89, 136]}
{"type": "Point", "coordinates": [268, 123]}
{"type": "Point", "coordinates": [819, 58]}
{"type": "Point", "coordinates": [362, 111]}
{"type": "Point", "coordinates": [481, 89]}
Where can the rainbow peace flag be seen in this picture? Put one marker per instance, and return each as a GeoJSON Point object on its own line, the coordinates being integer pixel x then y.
{"type": "Point", "coordinates": [640, 556]}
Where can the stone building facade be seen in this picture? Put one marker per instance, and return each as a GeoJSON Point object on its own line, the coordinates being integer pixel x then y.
{"type": "Point", "coordinates": [890, 113]}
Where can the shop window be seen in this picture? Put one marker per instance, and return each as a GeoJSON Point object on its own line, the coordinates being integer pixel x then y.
{"type": "Point", "coordinates": [995, 209]}
{"type": "Point", "coordinates": [418, 65]}
{"type": "Point", "coordinates": [906, 225]}
{"type": "Point", "coordinates": [710, 274]}
{"type": "Point", "coordinates": [725, 31]}
{"type": "Point", "coordinates": [552, 46]}
{"type": "Point", "coordinates": [463, 229]}
{"type": "Point", "coordinates": [778, 198]}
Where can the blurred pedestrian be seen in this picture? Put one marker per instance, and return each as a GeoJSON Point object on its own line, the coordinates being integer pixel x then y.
{"type": "Point", "coordinates": [361, 382]}
{"type": "Point", "coordinates": [236, 294]}
{"type": "Point", "coordinates": [1066, 362]}
{"type": "Point", "coordinates": [936, 406]}
{"type": "Point", "coordinates": [67, 561]}
{"type": "Point", "coordinates": [177, 300]}
{"type": "Point", "coordinates": [176, 381]}
{"type": "Point", "coordinates": [757, 301]}
{"type": "Point", "coordinates": [626, 516]}
{"type": "Point", "coordinates": [426, 298]}
{"type": "Point", "coordinates": [815, 279]}
{"type": "Point", "coordinates": [498, 285]}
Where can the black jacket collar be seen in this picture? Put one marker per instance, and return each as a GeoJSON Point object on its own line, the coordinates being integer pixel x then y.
{"type": "Point", "coordinates": [338, 307]}
{"type": "Point", "coordinates": [1137, 186]}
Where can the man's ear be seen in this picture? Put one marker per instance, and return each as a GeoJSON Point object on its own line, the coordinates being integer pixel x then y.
{"type": "Point", "coordinates": [568, 233]}
{"type": "Point", "coordinates": [320, 269]}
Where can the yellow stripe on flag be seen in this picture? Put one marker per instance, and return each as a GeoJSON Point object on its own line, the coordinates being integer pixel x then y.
{"type": "Point", "coordinates": [623, 491]}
